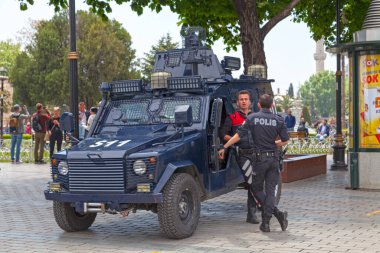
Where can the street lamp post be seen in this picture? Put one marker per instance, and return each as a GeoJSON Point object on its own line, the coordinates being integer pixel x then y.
{"type": "Point", "coordinates": [339, 147]}
{"type": "Point", "coordinates": [3, 77]}
{"type": "Point", "coordinates": [73, 59]}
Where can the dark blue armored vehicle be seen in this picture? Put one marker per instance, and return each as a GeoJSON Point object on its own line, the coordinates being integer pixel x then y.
{"type": "Point", "coordinates": [153, 146]}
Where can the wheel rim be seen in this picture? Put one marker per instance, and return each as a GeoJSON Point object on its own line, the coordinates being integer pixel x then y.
{"type": "Point", "coordinates": [185, 206]}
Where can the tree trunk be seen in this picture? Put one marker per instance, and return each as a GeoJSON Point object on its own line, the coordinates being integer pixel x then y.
{"type": "Point", "coordinates": [252, 41]}
{"type": "Point", "coordinates": [251, 35]}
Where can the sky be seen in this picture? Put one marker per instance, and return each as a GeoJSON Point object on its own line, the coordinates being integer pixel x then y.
{"type": "Point", "coordinates": [288, 46]}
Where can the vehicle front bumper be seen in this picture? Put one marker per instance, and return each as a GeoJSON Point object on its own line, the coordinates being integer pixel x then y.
{"type": "Point", "coordinates": [127, 198]}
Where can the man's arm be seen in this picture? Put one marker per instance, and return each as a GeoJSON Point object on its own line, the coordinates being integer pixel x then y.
{"type": "Point", "coordinates": [226, 129]}
{"type": "Point", "coordinates": [234, 139]}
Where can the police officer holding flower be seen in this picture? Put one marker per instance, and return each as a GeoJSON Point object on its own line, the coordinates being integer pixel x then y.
{"type": "Point", "coordinates": [264, 128]}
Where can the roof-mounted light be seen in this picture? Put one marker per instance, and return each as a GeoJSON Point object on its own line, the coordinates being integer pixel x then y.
{"type": "Point", "coordinates": [104, 87]}
{"type": "Point", "coordinates": [126, 86]}
{"type": "Point", "coordinates": [159, 80]}
{"type": "Point", "coordinates": [257, 71]}
{"type": "Point", "coordinates": [185, 83]}
{"type": "Point", "coordinates": [231, 63]}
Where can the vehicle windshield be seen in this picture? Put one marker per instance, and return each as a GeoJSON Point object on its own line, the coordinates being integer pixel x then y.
{"type": "Point", "coordinates": [150, 111]}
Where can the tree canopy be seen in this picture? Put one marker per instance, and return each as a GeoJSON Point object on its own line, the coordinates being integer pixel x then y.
{"type": "Point", "coordinates": [41, 74]}
{"type": "Point", "coordinates": [164, 43]}
{"type": "Point", "coordinates": [8, 53]}
{"type": "Point", "coordinates": [246, 22]}
{"type": "Point", "coordinates": [291, 90]}
{"type": "Point", "coordinates": [318, 94]}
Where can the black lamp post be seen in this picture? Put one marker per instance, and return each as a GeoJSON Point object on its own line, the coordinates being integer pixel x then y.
{"type": "Point", "coordinates": [339, 147]}
{"type": "Point", "coordinates": [73, 59]}
{"type": "Point", "coordinates": [3, 77]}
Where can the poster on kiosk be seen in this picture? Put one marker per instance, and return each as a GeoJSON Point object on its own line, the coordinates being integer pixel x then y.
{"type": "Point", "coordinates": [369, 126]}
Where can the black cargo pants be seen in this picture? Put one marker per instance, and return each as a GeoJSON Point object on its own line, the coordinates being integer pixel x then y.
{"type": "Point", "coordinates": [265, 169]}
{"type": "Point", "coordinates": [245, 163]}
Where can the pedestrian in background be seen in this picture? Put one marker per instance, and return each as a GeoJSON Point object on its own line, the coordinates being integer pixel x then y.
{"type": "Point", "coordinates": [290, 121]}
{"type": "Point", "coordinates": [93, 112]}
{"type": "Point", "coordinates": [39, 126]}
{"type": "Point", "coordinates": [83, 116]}
{"type": "Point", "coordinates": [16, 128]}
{"type": "Point", "coordinates": [54, 131]}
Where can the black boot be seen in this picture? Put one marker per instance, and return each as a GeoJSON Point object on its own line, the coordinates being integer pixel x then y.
{"type": "Point", "coordinates": [265, 224]}
{"type": "Point", "coordinates": [282, 218]}
{"type": "Point", "coordinates": [251, 216]}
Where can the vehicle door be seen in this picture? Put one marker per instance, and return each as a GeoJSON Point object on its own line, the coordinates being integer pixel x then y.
{"type": "Point", "coordinates": [224, 173]}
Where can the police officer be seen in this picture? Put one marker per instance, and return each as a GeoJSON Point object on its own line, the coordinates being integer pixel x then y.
{"type": "Point", "coordinates": [264, 127]}
{"type": "Point", "coordinates": [244, 151]}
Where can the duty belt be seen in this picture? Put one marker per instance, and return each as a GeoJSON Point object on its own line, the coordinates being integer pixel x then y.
{"type": "Point", "coordinates": [267, 154]}
{"type": "Point", "coordinates": [246, 151]}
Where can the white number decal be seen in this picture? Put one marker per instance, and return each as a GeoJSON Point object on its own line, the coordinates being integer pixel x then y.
{"type": "Point", "coordinates": [98, 144]}
{"type": "Point", "coordinates": [123, 143]}
{"type": "Point", "coordinates": [108, 143]}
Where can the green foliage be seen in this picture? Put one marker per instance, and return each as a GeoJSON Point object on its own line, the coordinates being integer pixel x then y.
{"type": "Point", "coordinates": [226, 19]}
{"type": "Point", "coordinates": [163, 44]}
{"type": "Point", "coordinates": [286, 103]}
{"type": "Point", "coordinates": [8, 53]}
{"type": "Point", "coordinates": [41, 72]}
{"type": "Point", "coordinates": [24, 136]}
{"type": "Point", "coordinates": [306, 115]}
{"type": "Point", "coordinates": [320, 17]}
{"type": "Point", "coordinates": [291, 91]}
{"type": "Point", "coordinates": [318, 94]}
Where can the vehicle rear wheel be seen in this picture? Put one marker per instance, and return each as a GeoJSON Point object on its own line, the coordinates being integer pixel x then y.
{"type": "Point", "coordinates": [179, 213]}
{"type": "Point", "coordinates": [69, 220]}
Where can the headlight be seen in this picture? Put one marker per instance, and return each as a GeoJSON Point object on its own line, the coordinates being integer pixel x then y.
{"type": "Point", "coordinates": [63, 168]}
{"type": "Point", "coordinates": [139, 167]}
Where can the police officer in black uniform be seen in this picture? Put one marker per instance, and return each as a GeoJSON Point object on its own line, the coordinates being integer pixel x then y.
{"type": "Point", "coordinates": [244, 150]}
{"type": "Point", "coordinates": [264, 127]}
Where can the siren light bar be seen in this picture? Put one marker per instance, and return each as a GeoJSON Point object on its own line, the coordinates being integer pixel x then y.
{"type": "Point", "coordinates": [126, 86]}
{"type": "Point", "coordinates": [185, 83]}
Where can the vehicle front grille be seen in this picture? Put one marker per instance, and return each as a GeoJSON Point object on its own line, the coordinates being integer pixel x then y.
{"type": "Point", "coordinates": [96, 175]}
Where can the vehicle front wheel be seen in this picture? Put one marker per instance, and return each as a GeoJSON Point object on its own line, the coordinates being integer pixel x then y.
{"type": "Point", "coordinates": [69, 220]}
{"type": "Point", "coordinates": [179, 213]}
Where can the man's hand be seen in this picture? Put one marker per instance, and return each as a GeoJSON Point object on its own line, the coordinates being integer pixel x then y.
{"type": "Point", "coordinates": [221, 153]}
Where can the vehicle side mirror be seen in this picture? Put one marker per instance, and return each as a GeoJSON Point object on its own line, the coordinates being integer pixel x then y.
{"type": "Point", "coordinates": [67, 122]}
{"type": "Point", "coordinates": [183, 115]}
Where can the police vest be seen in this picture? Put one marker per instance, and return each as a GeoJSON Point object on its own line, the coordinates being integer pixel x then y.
{"type": "Point", "coordinates": [237, 120]}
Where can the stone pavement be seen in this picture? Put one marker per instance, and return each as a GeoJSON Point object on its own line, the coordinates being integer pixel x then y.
{"type": "Point", "coordinates": [323, 215]}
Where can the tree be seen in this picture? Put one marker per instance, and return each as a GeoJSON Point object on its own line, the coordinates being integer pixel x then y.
{"type": "Point", "coordinates": [164, 43]}
{"type": "Point", "coordinates": [318, 93]}
{"type": "Point", "coordinates": [246, 22]}
{"type": "Point", "coordinates": [286, 103]}
{"type": "Point", "coordinates": [291, 91]}
{"type": "Point", "coordinates": [41, 72]}
{"type": "Point", "coordinates": [306, 115]}
{"type": "Point", "coordinates": [8, 54]}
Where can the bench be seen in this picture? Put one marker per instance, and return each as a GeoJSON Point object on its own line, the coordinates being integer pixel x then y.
{"type": "Point", "coordinates": [297, 167]}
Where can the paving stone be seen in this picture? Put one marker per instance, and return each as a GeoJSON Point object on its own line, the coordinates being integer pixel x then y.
{"type": "Point", "coordinates": [323, 217]}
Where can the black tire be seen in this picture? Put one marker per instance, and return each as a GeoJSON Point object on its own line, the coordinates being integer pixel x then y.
{"type": "Point", "coordinates": [278, 191]}
{"type": "Point", "coordinates": [69, 220]}
{"type": "Point", "coordinates": [179, 213]}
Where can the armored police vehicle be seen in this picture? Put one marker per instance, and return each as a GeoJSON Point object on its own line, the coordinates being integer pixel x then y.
{"type": "Point", "coordinates": [153, 146]}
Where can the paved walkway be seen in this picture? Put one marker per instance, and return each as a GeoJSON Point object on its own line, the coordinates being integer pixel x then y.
{"type": "Point", "coordinates": [324, 217]}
